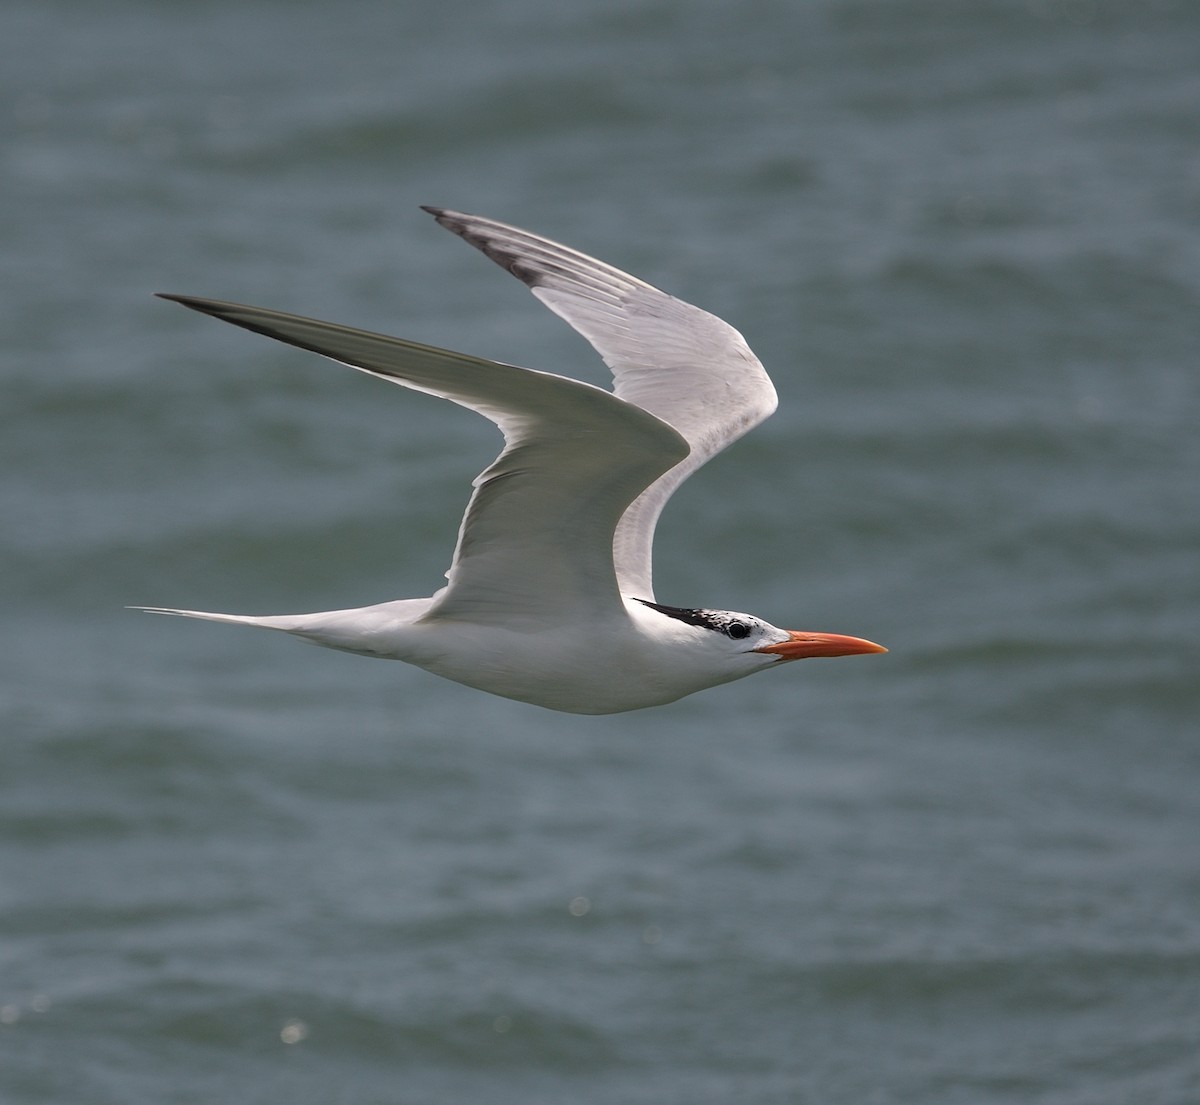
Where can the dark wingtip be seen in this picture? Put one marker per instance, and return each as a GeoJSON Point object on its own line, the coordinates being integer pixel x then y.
{"type": "Point", "coordinates": [184, 300]}
{"type": "Point", "coordinates": [204, 306]}
{"type": "Point", "coordinates": [451, 220]}
{"type": "Point", "coordinates": [454, 221]}
{"type": "Point", "coordinates": [487, 239]}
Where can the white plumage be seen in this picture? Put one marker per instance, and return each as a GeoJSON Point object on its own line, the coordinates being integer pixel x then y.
{"type": "Point", "coordinates": [549, 596]}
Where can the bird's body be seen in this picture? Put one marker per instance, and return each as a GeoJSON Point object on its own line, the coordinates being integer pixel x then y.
{"type": "Point", "coordinates": [549, 597]}
{"type": "Point", "coordinates": [637, 658]}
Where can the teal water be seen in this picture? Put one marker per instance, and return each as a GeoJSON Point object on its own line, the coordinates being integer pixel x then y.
{"type": "Point", "coordinates": [965, 240]}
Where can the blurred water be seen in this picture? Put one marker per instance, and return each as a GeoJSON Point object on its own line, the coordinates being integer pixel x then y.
{"type": "Point", "coordinates": [965, 241]}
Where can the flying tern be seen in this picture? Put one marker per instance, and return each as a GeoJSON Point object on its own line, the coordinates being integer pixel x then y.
{"type": "Point", "coordinates": [549, 598]}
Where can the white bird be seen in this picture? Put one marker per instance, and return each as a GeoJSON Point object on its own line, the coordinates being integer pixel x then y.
{"type": "Point", "coordinates": [549, 597]}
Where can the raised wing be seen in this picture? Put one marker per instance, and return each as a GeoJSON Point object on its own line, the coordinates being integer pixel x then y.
{"type": "Point", "coordinates": [674, 360]}
{"type": "Point", "coordinates": [536, 542]}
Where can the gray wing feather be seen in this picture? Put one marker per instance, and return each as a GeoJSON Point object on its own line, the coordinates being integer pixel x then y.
{"type": "Point", "coordinates": [681, 364]}
{"type": "Point", "coordinates": [536, 542]}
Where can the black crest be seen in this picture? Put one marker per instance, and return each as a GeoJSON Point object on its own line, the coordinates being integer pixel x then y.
{"type": "Point", "coordinates": [716, 620]}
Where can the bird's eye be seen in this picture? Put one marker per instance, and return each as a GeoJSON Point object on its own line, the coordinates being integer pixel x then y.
{"type": "Point", "coordinates": [737, 630]}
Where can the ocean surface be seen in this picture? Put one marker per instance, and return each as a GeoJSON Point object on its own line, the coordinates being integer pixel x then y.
{"type": "Point", "coordinates": [965, 240]}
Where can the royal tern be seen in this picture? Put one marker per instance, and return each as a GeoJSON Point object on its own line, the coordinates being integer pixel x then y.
{"type": "Point", "coordinates": [549, 597]}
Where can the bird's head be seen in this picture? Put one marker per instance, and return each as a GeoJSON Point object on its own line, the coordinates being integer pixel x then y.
{"type": "Point", "coordinates": [750, 643]}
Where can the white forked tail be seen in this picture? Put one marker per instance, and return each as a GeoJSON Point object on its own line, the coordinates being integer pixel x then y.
{"type": "Point", "coordinates": [287, 623]}
{"type": "Point", "coordinates": [371, 630]}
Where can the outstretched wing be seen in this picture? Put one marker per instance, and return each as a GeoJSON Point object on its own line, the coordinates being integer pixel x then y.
{"type": "Point", "coordinates": [680, 363]}
{"type": "Point", "coordinates": [536, 542]}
